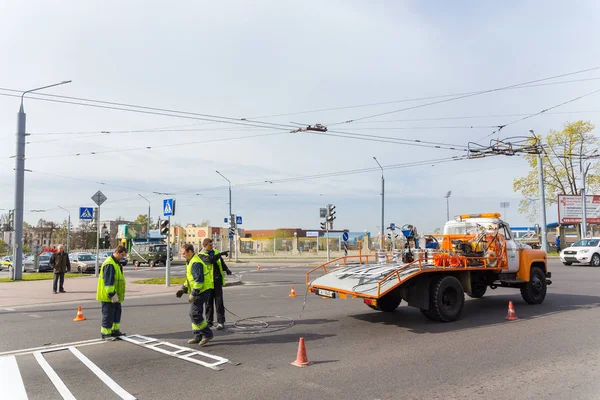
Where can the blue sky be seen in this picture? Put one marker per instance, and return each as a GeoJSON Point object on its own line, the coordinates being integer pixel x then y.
{"type": "Point", "coordinates": [257, 59]}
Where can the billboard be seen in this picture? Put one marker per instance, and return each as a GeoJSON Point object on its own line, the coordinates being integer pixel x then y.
{"type": "Point", "coordinates": [132, 231]}
{"type": "Point", "coordinates": [570, 209]}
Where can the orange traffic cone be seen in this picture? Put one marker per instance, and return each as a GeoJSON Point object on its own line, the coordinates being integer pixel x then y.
{"type": "Point", "coordinates": [293, 292]}
{"type": "Point", "coordinates": [301, 359]}
{"type": "Point", "coordinates": [79, 316]}
{"type": "Point", "coordinates": [137, 266]}
{"type": "Point", "coordinates": [258, 268]}
{"type": "Point", "coordinates": [511, 316]}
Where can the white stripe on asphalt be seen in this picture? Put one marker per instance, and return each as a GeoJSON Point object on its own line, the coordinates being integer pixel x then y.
{"type": "Point", "coordinates": [11, 381]}
{"type": "Point", "coordinates": [58, 383]}
{"type": "Point", "coordinates": [23, 352]}
{"type": "Point", "coordinates": [122, 393]}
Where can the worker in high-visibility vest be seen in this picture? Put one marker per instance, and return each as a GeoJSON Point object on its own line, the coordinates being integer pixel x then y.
{"type": "Point", "coordinates": [212, 257]}
{"type": "Point", "coordinates": [197, 285]}
{"type": "Point", "coordinates": [111, 293]}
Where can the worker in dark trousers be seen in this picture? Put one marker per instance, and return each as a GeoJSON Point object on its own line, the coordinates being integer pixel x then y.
{"type": "Point", "coordinates": [111, 293]}
{"type": "Point", "coordinates": [197, 285]}
{"type": "Point", "coordinates": [214, 258]}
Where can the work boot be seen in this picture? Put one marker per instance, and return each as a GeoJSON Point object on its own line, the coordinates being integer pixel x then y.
{"type": "Point", "coordinates": [205, 340]}
{"type": "Point", "coordinates": [117, 333]}
{"type": "Point", "coordinates": [108, 337]}
{"type": "Point", "coordinates": [195, 340]}
{"type": "Point", "coordinates": [221, 326]}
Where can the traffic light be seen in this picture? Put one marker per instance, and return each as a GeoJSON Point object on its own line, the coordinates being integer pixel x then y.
{"type": "Point", "coordinates": [330, 215]}
{"type": "Point", "coordinates": [164, 227]}
{"type": "Point", "coordinates": [323, 226]}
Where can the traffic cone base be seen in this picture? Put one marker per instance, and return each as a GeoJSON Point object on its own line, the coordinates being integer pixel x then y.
{"type": "Point", "coordinates": [79, 316]}
{"type": "Point", "coordinates": [258, 267]}
{"type": "Point", "coordinates": [293, 292]}
{"type": "Point", "coordinates": [301, 359]}
{"type": "Point", "coordinates": [511, 316]}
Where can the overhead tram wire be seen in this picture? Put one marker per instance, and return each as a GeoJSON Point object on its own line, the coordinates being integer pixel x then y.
{"type": "Point", "coordinates": [464, 96]}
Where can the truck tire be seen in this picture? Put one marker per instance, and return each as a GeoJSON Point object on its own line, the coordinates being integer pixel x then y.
{"type": "Point", "coordinates": [389, 302]}
{"type": "Point", "coordinates": [429, 315]}
{"type": "Point", "coordinates": [534, 291]}
{"type": "Point", "coordinates": [446, 299]}
{"type": "Point", "coordinates": [477, 291]}
{"type": "Point", "coordinates": [595, 262]}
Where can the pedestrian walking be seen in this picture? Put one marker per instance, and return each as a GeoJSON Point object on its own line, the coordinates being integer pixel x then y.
{"type": "Point", "coordinates": [197, 285]}
{"type": "Point", "coordinates": [214, 258]}
{"type": "Point", "coordinates": [60, 263]}
{"type": "Point", "coordinates": [557, 243]}
{"type": "Point", "coordinates": [111, 293]}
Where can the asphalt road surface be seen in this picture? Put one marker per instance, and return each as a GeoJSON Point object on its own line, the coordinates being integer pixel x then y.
{"type": "Point", "coordinates": [551, 352]}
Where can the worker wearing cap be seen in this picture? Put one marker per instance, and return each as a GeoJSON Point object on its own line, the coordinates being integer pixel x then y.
{"type": "Point", "coordinates": [213, 259]}
{"type": "Point", "coordinates": [197, 284]}
{"type": "Point", "coordinates": [111, 293]}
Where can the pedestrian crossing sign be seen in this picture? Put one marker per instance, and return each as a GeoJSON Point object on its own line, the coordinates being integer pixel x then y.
{"type": "Point", "coordinates": [86, 213]}
{"type": "Point", "coordinates": [169, 207]}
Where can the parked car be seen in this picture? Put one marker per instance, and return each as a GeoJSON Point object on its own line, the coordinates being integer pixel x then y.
{"type": "Point", "coordinates": [83, 262]}
{"type": "Point", "coordinates": [44, 263]}
{"type": "Point", "coordinates": [585, 251]}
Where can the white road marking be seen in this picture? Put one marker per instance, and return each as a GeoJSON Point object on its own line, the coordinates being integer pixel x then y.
{"type": "Point", "coordinates": [58, 383]}
{"type": "Point", "coordinates": [12, 309]}
{"type": "Point", "coordinates": [100, 374]}
{"type": "Point", "coordinates": [50, 347]}
{"type": "Point", "coordinates": [39, 316]}
{"type": "Point", "coordinates": [11, 381]}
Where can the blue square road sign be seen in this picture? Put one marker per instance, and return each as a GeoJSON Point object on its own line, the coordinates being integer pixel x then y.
{"type": "Point", "coordinates": [238, 220]}
{"type": "Point", "coordinates": [86, 213]}
{"type": "Point", "coordinates": [168, 207]}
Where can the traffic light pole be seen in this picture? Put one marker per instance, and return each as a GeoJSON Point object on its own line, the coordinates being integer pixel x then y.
{"type": "Point", "coordinates": [327, 235]}
{"type": "Point", "coordinates": [168, 263]}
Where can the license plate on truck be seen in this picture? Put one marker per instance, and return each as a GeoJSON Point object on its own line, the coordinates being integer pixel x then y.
{"type": "Point", "coordinates": [326, 293]}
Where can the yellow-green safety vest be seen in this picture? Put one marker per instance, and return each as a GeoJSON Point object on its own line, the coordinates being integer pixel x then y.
{"type": "Point", "coordinates": [219, 264]}
{"type": "Point", "coordinates": [118, 286]}
{"type": "Point", "coordinates": [191, 284]}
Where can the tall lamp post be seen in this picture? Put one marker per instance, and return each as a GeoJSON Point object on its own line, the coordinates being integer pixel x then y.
{"type": "Point", "coordinates": [148, 225]}
{"type": "Point", "coordinates": [447, 197]}
{"type": "Point", "coordinates": [68, 229]}
{"type": "Point", "coordinates": [231, 222]}
{"type": "Point", "coordinates": [20, 184]}
{"type": "Point", "coordinates": [382, 205]}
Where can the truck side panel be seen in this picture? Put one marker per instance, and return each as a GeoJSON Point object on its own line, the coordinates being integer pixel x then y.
{"type": "Point", "coordinates": [527, 259]}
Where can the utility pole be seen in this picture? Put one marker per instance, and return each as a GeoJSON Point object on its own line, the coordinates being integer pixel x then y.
{"type": "Point", "coordinates": [382, 205]}
{"type": "Point", "coordinates": [148, 225]}
{"type": "Point", "coordinates": [20, 185]}
{"type": "Point", "coordinates": [68, 229]}
{"type": "Point", "coordinates": [542, 196]}
{"type": "Point", "coordinates": [231, 220]}
{"type": "Point", "coordinates": [448, 205]}
{"type": "Point", "coordinates": [583, 204]}
{"type": "Point", "coordinates": [97, 238]}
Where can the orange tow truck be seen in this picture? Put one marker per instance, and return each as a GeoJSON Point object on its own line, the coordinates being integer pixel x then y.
{"type": "Point", "coordinates": [477, 251]}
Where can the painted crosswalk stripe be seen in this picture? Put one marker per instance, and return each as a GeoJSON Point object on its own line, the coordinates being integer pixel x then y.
{"type": "Point", "coordinates": [100, 374]}
{"type": "Point", "coordinates": [11, 381]}
{"type": "Point", "coordinates": [58, 383]}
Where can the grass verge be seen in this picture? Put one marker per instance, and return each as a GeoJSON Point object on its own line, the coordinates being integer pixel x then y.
{"type": "Point", "coordinates": [40, 277]}
{"type": "Point", "coordinates": [161, 281]}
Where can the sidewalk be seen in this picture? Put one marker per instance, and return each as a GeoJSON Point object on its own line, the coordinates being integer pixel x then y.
{"type": "Point", "coordinates": [13, 294]}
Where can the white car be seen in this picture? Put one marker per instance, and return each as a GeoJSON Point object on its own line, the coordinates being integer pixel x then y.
{"type": "Point", "coordinates": [586, 251]}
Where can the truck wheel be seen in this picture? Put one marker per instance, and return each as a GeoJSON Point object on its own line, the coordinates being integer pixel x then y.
{"type": "Point", "coordinates": [389, 302]}
{"type": "Point", "coordinates": [447, 299]}
{"type": "Point", "coordinates": [595, 260]}
{"type": "Point", "coordinates": [568, 263]}
{"type": "Point", "coordinates": [429, 315]}
{"type": "Point", "coordinates": [534, 291]}
{"type": "Point", "coordinates": [477, 291]}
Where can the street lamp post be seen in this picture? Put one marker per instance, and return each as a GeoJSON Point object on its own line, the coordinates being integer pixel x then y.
{"type": "Point", "coordinates": [447, 196]}
{"type": "Point", "coordinates": [231, 221]}
{"type": "Point", "coordinates": [68, 229]}
{"type": "Point", "coordinates": [20, 184]}
{"type": "Point", "coordinates": [382, 205]}
{"type": "Point", "coordinates": [148, 225]}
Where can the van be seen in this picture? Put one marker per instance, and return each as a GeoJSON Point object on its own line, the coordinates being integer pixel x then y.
{"type": "Point", "coordinates": [148, 253]}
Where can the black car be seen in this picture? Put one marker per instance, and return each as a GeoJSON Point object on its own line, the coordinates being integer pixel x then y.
{"type": "Point", "coordinates": [44, 263]}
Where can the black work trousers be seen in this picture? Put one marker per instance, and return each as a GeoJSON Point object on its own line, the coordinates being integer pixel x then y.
{"type": "Point", "coordinates": [111, 317]}
{"type": "Point", "coordinates": [215, 299]}
{"type": "Point", "coordinates": [199, 325]}
{"type": "Point", "coordinates": [58, 276]}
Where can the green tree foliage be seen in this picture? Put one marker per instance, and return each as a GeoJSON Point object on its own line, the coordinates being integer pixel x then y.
{"type": "Point", "coordinates": [565, 154]}
{"type": "Point", "coordinates": [142, 219]}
